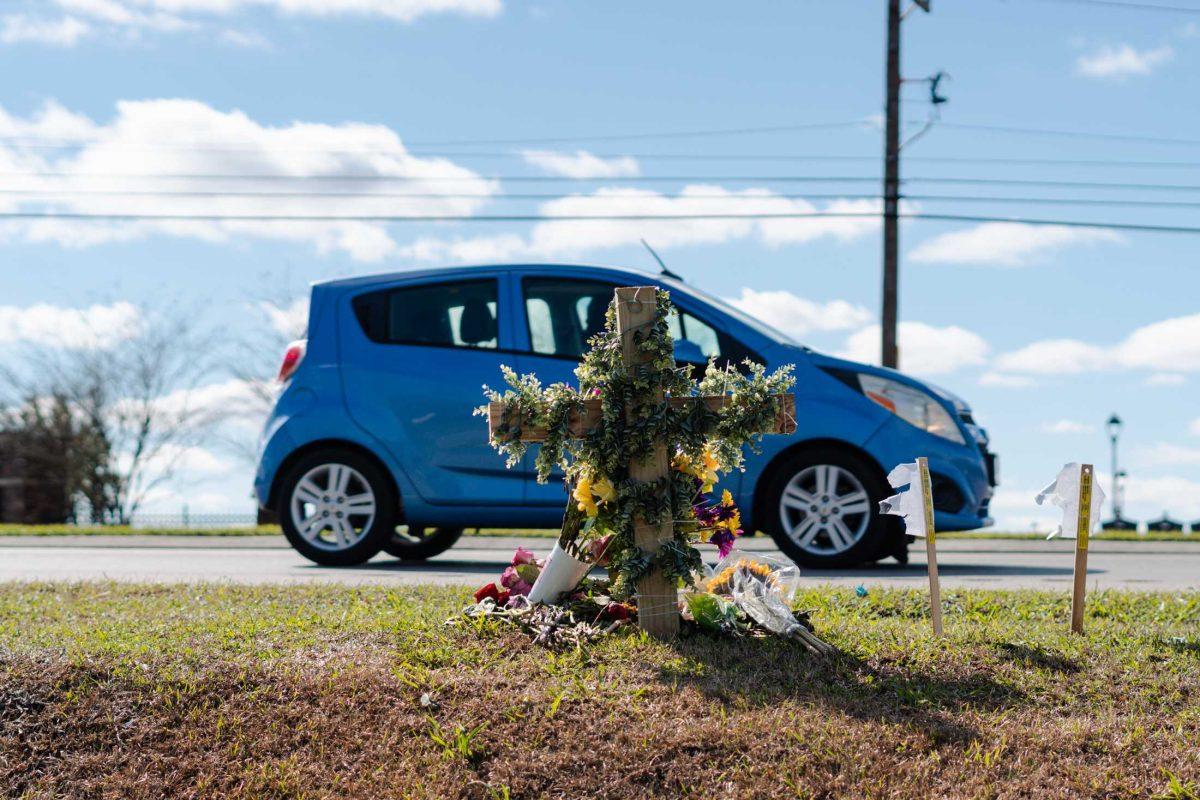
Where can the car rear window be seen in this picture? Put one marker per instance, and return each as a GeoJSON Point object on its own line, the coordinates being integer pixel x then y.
{"type": "Point", "coordinates": [458, 314]}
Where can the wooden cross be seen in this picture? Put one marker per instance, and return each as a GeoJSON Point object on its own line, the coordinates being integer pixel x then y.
{"type": "Point", "coordinates": [657, 594]}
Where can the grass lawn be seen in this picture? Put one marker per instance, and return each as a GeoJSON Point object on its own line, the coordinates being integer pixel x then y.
{"type": "Point", "coordinates": [273, 530]}
{"type": "Point", "coordinates": [122, 691]}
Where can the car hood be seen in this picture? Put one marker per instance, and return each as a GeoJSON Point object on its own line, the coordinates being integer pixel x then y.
{"type": "Point", "coordinates": [823, 361]}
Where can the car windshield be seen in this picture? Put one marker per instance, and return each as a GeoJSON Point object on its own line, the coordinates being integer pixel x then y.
{"type": "Point", "coordinates": [738, 314]}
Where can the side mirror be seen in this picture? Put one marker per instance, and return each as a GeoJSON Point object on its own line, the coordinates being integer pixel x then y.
{"type": "Point", "coordinates": [689, 352]}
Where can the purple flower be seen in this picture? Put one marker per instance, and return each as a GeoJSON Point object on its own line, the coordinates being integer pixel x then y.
{"type": "Point", "coordinates": [723, 539]}
{"type": "Point", "coordinates": [705, 515]}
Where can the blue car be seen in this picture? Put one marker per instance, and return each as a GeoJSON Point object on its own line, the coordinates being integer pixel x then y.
{"type": "Point", "coordinates": [372, 445]}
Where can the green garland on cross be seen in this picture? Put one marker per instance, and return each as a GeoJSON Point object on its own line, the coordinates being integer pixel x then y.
{"type": "Point", "coordinates": [702, 443]}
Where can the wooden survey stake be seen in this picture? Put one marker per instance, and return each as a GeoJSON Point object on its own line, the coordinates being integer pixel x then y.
{"type": "Point", "coordinates": [657, 595]}
{"type": "Point", "coordinates": [935, 589]}
{"type": "Point", "coordinates": [1083, 529]}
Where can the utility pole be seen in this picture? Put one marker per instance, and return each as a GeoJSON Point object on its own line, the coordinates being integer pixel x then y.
{"type": "Point", "coordinates": [891, 191]}
{"type": "Point", "coordinates": [889, 350]}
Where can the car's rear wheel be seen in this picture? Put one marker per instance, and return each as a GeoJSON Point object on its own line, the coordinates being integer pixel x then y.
{"type": "Point", "coordinates": [417, 543]}
{"type": "Point", "coordinates": [337, 507]}
{"type": "Point", "coordinates": [821, 507]}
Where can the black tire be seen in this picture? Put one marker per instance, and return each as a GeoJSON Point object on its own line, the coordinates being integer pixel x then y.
{"type": "Point", "coordinates": [851, 474]}
{"type": "Point", "coordinates": [373, 536]}
{"type": "Point", "coordinates": [418, 543]}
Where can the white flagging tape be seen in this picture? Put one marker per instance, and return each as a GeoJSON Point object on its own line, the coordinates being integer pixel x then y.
{"type": "Point", "coordinates": [915, 504]}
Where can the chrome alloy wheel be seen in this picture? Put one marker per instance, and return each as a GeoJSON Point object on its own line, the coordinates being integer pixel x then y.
{"type": "Point", "coordinates": [825, 509]}
{"type": "Point", "coordinates": [332, 506]}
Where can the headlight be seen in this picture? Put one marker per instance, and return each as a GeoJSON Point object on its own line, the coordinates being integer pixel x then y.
{"type": "Point", "coordinates": [911, 405]}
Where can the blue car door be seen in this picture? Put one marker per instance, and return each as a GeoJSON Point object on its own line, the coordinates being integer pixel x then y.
{"type": "Point", "coordinates": [414, 359]}
{"type": "Point", "coordinates": [561, 314]}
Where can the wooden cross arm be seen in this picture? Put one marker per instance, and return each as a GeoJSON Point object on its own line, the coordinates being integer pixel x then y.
{"type": "Point", "coordinates": [582, 423]}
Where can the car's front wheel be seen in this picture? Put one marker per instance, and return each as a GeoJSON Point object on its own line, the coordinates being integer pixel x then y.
{"type": "Point", "coordinates": [821, 507]}
{"type": "Point", "coordinates": [337, 508]}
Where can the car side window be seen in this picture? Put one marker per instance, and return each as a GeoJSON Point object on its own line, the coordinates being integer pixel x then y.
{"type": "Point", "coordinates": [458, 314]}
{"type": "Point", "coordinates": [564, 314]}
{"type": "Point", "coordinates": [687, 328]}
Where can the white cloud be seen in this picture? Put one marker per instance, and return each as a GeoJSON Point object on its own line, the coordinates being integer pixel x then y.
{"type": "Point", "coordinates": [1167, 454]}
{"type": "Point", "coordinates": [132, 18]}
{"type": "Point", "coordinates": [556, 238]}
{"type": "Point", "coordinates": [797, 315]}
{"type": "Point", "coordinates": [62, 32]}
{"type": "Point", "coordinates": [1067, 426]}
{"type": "Point", "coordinates": [1151, 495]}
{"type": "Point", "coordinates": [1005, 244]}
{"type": "Point", "coordinates": [1165, 379]}
{"type": "Point", "coordinates": [1171, 345]}
{"type": "Point", "coordinates": [250, 40]}
{"type": "Point", "coordinates": [290, 321]}
{"type": "Point", "coordinates": [1003, 380]}
{"type": "Point", "coordinates": [296, 158]}
{"type": "Point", "coordinates": [403, 10]}
{"type": "Point", "coordinates": [232, 398]}
{"type": "Point", "coordinates": [1055, 357]}
{"type": "Point", "coordinates": [48, 325]}
{"type": "Point", "coordinates": [924, 349]}
{"type": "Point", "coordinates": [1122, 61]}
{"type": "Point", "coordinates": [581, 164]}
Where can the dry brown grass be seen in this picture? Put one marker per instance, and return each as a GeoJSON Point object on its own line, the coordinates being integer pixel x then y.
{"type": "Point", "coordinates": [110, 691]}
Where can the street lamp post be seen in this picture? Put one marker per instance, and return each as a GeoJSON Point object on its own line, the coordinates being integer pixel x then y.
{"type": "Point", "coordinates": [1113, 426]}
{"type": "Point", "coordinates": [1118, 522]}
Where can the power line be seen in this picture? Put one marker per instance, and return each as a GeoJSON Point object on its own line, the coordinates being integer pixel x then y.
{"type": "Point", "coordinates": [708, 157]}
{"type": "Point", "coordinates": [1130, 6]}
{"type": "Point", "coordinates": [1074, 134]}
{"type": "Point", "coordinates": [611, 137]}
{"type": "Point", "coordinates": [385, 218]}
{"type": "Point", "coordinates": [640, 179]}
{"type": "Point", "coordinates": [445, 179]}
{"type": "Point", "coordinates": [40, 195]}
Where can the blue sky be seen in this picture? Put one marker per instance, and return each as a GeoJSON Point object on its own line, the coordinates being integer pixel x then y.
{"type": "Point", "coordinates": [1044, 330]}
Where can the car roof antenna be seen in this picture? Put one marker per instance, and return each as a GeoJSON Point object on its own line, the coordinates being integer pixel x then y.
{"type": "Point", "coordinates": [661, 263]}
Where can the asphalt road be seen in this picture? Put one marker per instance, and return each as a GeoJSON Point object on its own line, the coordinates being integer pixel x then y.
{"type": "Point", "coordinates": [988, 563]}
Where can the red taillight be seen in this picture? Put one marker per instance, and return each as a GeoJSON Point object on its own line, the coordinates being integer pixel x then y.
{"type": "Point", "coordinates": [291, 360]}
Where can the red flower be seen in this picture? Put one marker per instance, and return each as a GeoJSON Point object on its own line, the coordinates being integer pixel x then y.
{"type": "Point", "coordinates": [491, 591]}
{"type": "Point", "coordinates": [617, 611]}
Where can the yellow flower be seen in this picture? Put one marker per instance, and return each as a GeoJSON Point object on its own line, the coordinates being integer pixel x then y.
{"type": "Point", "coordinates": [733, 523]}
{"type": "Point", "coordinates": [706, 472]}
{"type": "Point", "coordinates": [708, 477]}
{"type": "Point", "coordinates": [603, 489]}
{"type": "Point", "coordinates": [726, 499]}
{"type": "Point", "coordinates": [583, 493]}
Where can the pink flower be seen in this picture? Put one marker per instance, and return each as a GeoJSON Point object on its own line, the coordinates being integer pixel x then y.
{"type": "Point", "coordinates": [523, 556]}
{"type": "Point", "coordinates": [598, 550]}
{"type": "Point", "coordinates": [514, 582]}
